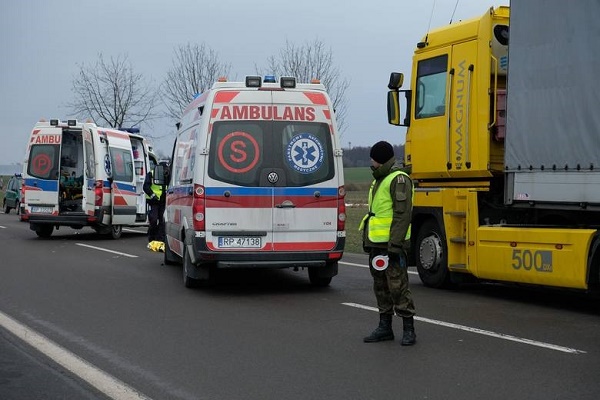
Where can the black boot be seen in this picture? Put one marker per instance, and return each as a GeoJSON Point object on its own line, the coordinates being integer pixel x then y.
{"type": "Point", "coordinates": [408, 337]}
{"type": "Point", "coordinates": [383, 331]}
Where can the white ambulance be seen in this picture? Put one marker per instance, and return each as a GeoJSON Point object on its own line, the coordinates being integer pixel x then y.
{"type": "Point", "coordinates": [78, 174]}
{"type": "Point", "coordinates": [257, 181]}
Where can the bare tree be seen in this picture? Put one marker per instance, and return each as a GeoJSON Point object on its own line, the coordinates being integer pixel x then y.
{"type": "Point", "coordinates": [195, 68]}
{"type": "Point", "coordinates": [313, 60]}
{"type": "Point", "coordinates": [111, 92]}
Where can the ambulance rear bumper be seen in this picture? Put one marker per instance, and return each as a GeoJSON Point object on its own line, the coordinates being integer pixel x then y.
{"type": "Point", "coordinates": [274, 259]}
{"type": "Point", "coordinates": [73, 220]}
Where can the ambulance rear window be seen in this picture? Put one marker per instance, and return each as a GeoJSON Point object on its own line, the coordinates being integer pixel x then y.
{"type": "Point", "coordinates": [271, 153]}
{"type": "Point", "coordinates": [43, 161]}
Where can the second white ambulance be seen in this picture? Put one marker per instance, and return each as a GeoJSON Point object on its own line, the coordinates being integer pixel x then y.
{"type": "Point", "coordinates": [78, 174]}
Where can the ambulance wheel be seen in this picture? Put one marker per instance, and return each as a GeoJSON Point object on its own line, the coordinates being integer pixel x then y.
{"type": "Point", "coordinates": [116, 231]}
{"type": "Point", "coordinates": [188, 281]}
{"type": "Point", "coordinates": [316, 279]}
{"type": "Point", "coordinates": [432, 256]}
{"type": "Point", "coordinates": [44, 231]}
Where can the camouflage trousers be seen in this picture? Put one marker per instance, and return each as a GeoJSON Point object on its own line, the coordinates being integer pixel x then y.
{"type": "Point", "coordinates": [391, 286]}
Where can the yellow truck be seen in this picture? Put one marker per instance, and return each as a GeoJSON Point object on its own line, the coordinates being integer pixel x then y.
{"type": "Point", "coordinates": [503, 143]}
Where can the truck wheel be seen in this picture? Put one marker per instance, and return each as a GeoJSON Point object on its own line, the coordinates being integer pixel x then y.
{"type": "Point", "coordinates": [44, 231]}
{"type": "Point", "coordinates": [116, 231]}
{"type": "Point", "coordinates": [188, 281]}
{"type": "Point", "coordinates": [432, 256]}
{"type": "Point", "coordinates": [170, 257]}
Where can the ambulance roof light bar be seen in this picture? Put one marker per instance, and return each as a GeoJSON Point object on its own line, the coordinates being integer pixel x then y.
{"type": "Point", "coordinates": [254, 81]}
{"type": "Point", "coordinates": [270, 79]}
{"type": "Point", "coordinates": [54, 122]}
{"type": "Point", "coordinates": [288, 82]}
{"type": "Point", "coordinates": [71, 122]}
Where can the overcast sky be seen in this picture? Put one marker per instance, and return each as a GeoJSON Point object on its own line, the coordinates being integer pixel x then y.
{"type": "Point", "coordinates": [42, 43]}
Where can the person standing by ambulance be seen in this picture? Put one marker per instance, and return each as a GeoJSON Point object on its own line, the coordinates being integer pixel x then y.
{"type": "Point", "coordinates": [156, 199]}
{"type": "Point", "coordinates": [386, 237]}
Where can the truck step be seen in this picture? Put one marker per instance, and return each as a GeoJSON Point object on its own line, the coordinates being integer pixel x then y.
{"type": "Point", "coordinates": [461, 214]}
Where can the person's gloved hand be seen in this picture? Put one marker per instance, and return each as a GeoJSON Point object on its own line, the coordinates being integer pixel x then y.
{"type": "Point", "coordinates": [394, 257]}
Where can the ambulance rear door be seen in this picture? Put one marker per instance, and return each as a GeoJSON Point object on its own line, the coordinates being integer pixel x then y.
{"type": "Point", "coordinates": [122, 182]}
{"type": "Point", "coordinates": [41, 180]}
{"type": "Point", "coordinates": [306, 187]}
{"type": "Point", "coordinates": [239, 197]}
{"type": "Point", "coordinates": [89, 171]}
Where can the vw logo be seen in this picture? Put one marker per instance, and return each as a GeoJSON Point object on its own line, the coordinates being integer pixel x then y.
{"type": "Point", "coordinates": [273, 177]}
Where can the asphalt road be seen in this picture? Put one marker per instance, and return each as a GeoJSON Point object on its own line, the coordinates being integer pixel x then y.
{"type": "Point", "coordinates": [268, 334]}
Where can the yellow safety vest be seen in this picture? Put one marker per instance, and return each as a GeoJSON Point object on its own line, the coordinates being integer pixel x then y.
{"type": "Point", "coordinates": [381, 211]}
{"type": "Point", "coordinates": [156, 189]}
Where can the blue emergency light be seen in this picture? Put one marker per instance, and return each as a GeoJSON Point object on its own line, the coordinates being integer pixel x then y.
{"type": "Point", "coordinates": [269, 79]}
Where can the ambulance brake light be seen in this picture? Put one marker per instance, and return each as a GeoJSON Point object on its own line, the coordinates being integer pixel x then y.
{"type": "Point", "coordinates": [288, 82]}
{"type": "Point", "coordinates": [253, 81]}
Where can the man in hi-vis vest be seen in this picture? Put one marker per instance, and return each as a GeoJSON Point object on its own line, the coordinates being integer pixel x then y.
{"type": "Point", "coordinates": [386, 236]}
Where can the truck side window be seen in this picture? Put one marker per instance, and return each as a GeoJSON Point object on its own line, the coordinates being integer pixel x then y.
{"type": "Point", "coordinates": [431, 87]}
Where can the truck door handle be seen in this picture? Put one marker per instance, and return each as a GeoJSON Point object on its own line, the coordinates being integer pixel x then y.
{"type": "Point", "coordinates": [286, 204]}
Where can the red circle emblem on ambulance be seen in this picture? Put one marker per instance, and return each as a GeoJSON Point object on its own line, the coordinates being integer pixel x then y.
{"type": "Point", "coordinates": [238, 152]}
{"type": "Point", "coordinates": [41, 165]}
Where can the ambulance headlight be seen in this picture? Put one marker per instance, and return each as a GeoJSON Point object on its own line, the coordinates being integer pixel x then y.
{"type": "Point", "coordinates": [288, 82]}
{"type": "Point", "coordinates": [253, 81]}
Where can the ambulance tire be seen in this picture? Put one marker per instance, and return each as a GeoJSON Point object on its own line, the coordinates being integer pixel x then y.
{"type": "Point", "coordinates": [431, 253]}
{"type": "Point", "coordinates": [116, 231]}
{"type": "Point", "coordinates": [316, 279]}
{"type": "Point", "coordinates": [188, 281]}
{"type": "Point", "coordinates": [44, 231]}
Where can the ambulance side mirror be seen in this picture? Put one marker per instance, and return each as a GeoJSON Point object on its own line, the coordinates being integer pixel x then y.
{"type": "Point", "coordinates": [159, 176]}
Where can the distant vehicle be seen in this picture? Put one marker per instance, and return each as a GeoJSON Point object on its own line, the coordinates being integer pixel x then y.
{"type": "Point", "coordinates": [12, 196]}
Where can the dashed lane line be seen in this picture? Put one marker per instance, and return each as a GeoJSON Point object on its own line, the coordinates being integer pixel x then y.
{"type": "Point", "coordinates": [107, 250]}
{"type": "Point", "coordinates": [105, 383]}
{"type": "Point", "coordinates": [483, 332]}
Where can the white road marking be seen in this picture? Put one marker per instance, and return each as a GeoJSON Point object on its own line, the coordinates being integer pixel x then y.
{"type": "Point", "coordinates": [132, 230]}
{"type": "Point", "coordinates": [483, 332]}
{"type": "Point", "coordinates": [107, 250]}
{"type": "Point", "coordinates": [2, 227]}
{"type": "Point", "coordinates": [107, 384]}
{"type": "Point", "coordinates": [366, 266]}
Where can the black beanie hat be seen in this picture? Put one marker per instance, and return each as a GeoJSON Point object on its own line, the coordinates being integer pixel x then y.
{"type": "Point", "coordinates": [382, 152]}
